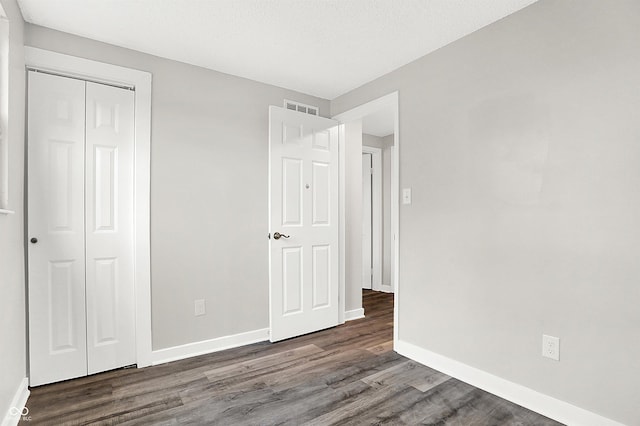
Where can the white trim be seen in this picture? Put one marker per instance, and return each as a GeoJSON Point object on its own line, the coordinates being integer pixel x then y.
{"type": "Point", "coordinates": [189, 350]}
{"type": "Point", "coordinates": [518, 394]}
{"type": "Point", "coordinates": [18, 401]}
{"type": "Point", "coordinates": [395, 219]}
{"type": "Point", "coordinates": [4, 211]}
{"type": "Point", "coordinates": [395, 186]}
{"type": "Point", "coordinates": [355, 114]}
{"type": "Point", "coordinates": [354, 314]}
{"type": "Point", "coordinates": [141, 80]}
{"type": "Point", "coordinates": [342, 295]}
{"type": "Point", "coordinates": [376, 217]}
{"type": "Point", "coordinates": [4, 114]}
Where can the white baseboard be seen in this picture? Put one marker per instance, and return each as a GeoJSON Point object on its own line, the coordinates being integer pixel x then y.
{"type": "Point", "coordinates": [354, 314]}
{"type": "Point", "coordinates": [386, 288]}
{"type": "Point", "coordinates": [518, 394]}
{"type": "Point", "coordinates": [18, 404]}
{"type": "Point", "coordinates": [189, 350]}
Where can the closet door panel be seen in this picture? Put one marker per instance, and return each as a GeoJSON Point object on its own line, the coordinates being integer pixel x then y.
{"type": "Point", "coordinates": [109, 227]}
{"type": "Point", "coordinates": [55, 228]}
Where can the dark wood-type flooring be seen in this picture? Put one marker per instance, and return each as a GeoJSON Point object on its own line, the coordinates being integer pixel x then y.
{"type": "Point", "coordinates": [341, 376]}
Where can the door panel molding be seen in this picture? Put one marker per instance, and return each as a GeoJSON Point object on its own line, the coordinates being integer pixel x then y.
{"type": "Point", "coordinates": [140, 80]}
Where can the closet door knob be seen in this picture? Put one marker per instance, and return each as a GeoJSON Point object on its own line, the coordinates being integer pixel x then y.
{"type": "Point", "coordinates": [34, 240]}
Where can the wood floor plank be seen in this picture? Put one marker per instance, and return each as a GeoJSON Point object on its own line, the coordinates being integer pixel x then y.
{"type": "Point", "coordinates": [130, 410]}
{"type": "Point", "coordinates": [341, 377]}
{"type": "Point", "coordinates": [263, 362]}
{"type": "Point", "coordinates": [381, 348]}
{"type": "Point", "coordinates": [437, 406]}
{"type": "Point", "coordinates": [409, 373]}
{"type": "Point", "coordinates": [348, 375]}
{"type": "Point", "coordinates": [292, 373]}
{"type": "Point", "coordinates": [369, 411]}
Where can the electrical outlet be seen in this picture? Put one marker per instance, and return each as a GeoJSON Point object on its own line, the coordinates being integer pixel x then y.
{"type": "Point", "coordinates": [200, 307]}
{"type": "Point", "coordinates": [551, 347]}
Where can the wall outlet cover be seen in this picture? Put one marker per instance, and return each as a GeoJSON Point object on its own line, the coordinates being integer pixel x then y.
{"type": "Point", "coordinates": [551, 347]}
{"type": "Point", "coordinates": [200, 307]}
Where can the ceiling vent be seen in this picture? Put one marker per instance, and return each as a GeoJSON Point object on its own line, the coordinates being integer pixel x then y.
{"type": "Point", "coordinates": [297, 106]}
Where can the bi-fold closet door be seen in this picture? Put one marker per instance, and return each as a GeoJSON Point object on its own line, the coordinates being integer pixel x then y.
{"type": "Point", "coordinates": [80, 227]}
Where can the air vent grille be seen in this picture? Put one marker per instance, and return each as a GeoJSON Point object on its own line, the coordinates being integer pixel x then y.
{"type": "Point", "coordinates": [297, 106]}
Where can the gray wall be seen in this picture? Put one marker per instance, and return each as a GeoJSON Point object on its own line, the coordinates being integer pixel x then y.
{"type": "Point", "coordinates": [387, 231]}
{"type": "Point", "coordinates": [353, 215]}
{"type": "Point", "coordinates": [209, 159]}
{"type": "Point", "coordinates": [12, 303]}
{"type": "Point", "coordinates": [522, 145]}
{"type": "Point", "coordinates": [372, 141]}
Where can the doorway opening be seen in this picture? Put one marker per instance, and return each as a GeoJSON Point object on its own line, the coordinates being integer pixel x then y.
{"type": "Point", "coordinates": [369, 186]}
{"type": "Point", "coordinates": [377, 237]}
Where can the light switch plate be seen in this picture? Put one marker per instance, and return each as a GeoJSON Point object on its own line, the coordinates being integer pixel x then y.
{"type": "Point", "coordinates": [406, 195]}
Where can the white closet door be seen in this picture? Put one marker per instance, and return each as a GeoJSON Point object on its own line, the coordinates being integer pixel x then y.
{"type": "Point", "coordinates": [109, 227]}
{"type": "Point", "coordinates": [57, 330]}
{"type": "Point", "coordinates": [367, 229]}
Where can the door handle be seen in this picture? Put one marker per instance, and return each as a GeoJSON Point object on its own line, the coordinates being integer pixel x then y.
{"type": "Point", "coordinates": [277, 236]}
{"type": "Point", "coordinates": [34, 240]}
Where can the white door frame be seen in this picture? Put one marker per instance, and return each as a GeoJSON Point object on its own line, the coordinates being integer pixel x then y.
{"type": "Point", "coordinates": [376, 216]}
{"type": "Point", "coordinates": [73, 66]}
{"type": "Point", "coordinates": [357, 113]}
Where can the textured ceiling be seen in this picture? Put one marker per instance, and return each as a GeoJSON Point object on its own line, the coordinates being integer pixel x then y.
{"type": "Point", "coordinates": [319, 47]}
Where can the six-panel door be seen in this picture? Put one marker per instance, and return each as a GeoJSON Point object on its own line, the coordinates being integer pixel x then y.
{"type": "Point", "coordinates": [304, 207]}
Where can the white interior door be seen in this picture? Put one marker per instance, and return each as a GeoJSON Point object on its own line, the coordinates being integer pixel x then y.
{"type": "Point", "coordinates": [303, 197]}
{"type": "Point", "coordinates": [57, 328]}
{"type": "Point", "coordinates": [367, 234]}
{"type": "Point", "coordinates": [80, 227]}
{"type": "Point", "coordinates": [109, 228]}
